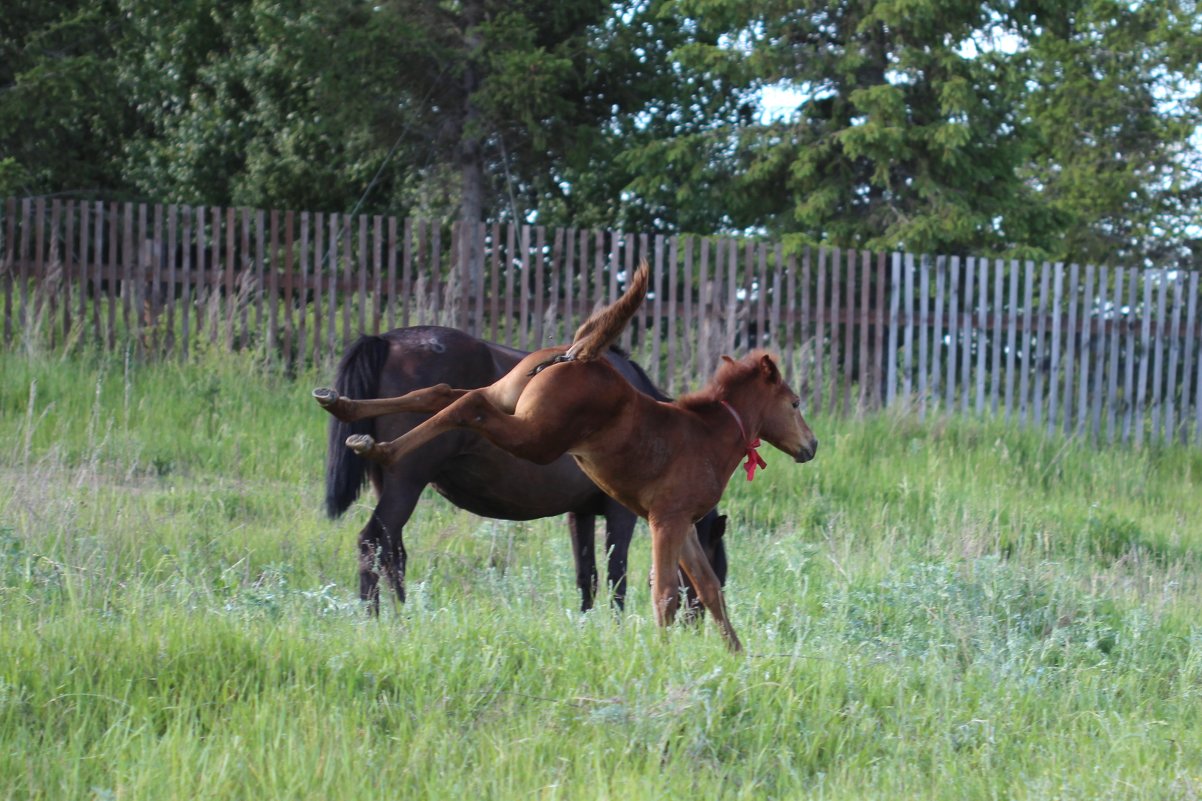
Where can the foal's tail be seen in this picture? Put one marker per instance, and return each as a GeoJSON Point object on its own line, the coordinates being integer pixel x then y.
{"type": "Point", "coordinates": [603, 328]}
{"type": "Point", "coordinates": [358, 377]}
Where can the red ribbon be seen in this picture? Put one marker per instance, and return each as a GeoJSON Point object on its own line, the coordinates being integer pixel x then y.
{"type": "Point", "coordinates": [754, 459]}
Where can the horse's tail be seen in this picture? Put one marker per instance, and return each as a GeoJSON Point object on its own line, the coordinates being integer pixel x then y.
{"type": "Point", "coordinates": [358, 377]}
{"type": "Point", "coordinates": [603, 328]}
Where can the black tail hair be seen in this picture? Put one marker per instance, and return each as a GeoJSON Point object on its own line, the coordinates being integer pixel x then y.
{"type": "Point", "coordinates": [358, 377]}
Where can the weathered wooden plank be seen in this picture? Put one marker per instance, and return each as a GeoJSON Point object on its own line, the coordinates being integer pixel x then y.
{"type": "Point", "coordinates": [557, 335]}
{"type": "Point", "coordinates": [806, 338]}
{"type": "Point", "coordinates": [878, 356]}
{"type": "Point", "coordinates": [58, 283]}
{"type": "Point", "coordinates": [36, 286]}
{"type": "Point", "coordinates": [1098, 380]}
{"type": "Point", "coordinates": [1054, 374]}
{"type": "Point", "coordinates": [24, 263]}
{"type": "Point", "coordinates": [849, 319]}
{"type": "Point", "coordinates": [248, 289]}
{"type": "Point", "coordinates": [127, 280]}
{"type": "Point", "coordinates": [1187, 399]}
{"type": "Point", "coordinates": [1174, 344]}
{"type": "Point", "coordinates": [909, 319]}
{"type": "Point", "coordinates": [321, 272]}
{"type": "Point", "coordinates": [70, 273]}
{"type": "Point", "coordinates": [1116, 324]}
{"type": "Point", "coordinates": [406, 295]}
{"type": "Point", "coordinates": [287, 281]}
{"type": "Point", "coordinates": [703, 361]}
{"type": "Point", "coordinates": [1158, 346]}
{"type": "Point", "coordinates": [820, 350]}
{"type": "Point", "coordinates": [227, 275]}
{"type": "Point", "coordinates": [10, 264]}
{"type": "Point", "coordinates": [600, 291]}
{"type": "Point", "coordinates": [937, 328]}
{"type": "Point", "coordinates": [1086, 354]}
{"type": "Point", "coordinates": [273, 283]}
{"type": "Point", "coordinates": [509, 278]}
{"type": "Point", "coordinates": [84, 270]}
{"type": "Point", "coordinates": [781, 334]}
{"type": "Point", "coordinates": [672, 307]}
{"type": "Point", "coordinates": [1145, 338]}
{"type": "Point", "coordinates": [951, 387]}
{"type": "Point", "coordinates": [141, 262]}
{"type": "Point", "coordinates": [1042, 356]}
{"type": "Point", "coordinates": [1024, 388]}
{"type": "Point", "coordinates": [867, 376]}
{"type": "Point", "coordinates": [494, 276]}
{"type": "Point", "coordinates": [213, 309]}
{"type": "Point", "coordinates": [894, 322]}
{"type": "Point", "coordinates": [996, 335]}
{"type": "Point", "coordinates": [689, 327]}
{"type": "Point", "coordinates": [984, 335]}
{"type": "Point", "coordinates": [538, 264]}
{"type": "Point", "coordinates": [1131, 333]}
{"type": "Point", "coordinates": [305, 255]}
{"type": "Point", "coordinates": [1011, 337]}
{"type": "Point", "coordinates": [392, 294]}
{"type": "Point", "coordinates": [378, 270]}
{"type": "Point", "coordinates": [336, 272]}
{"type": "Point", "coordinates": [432, 261]}
{"type": "Point", "coordinates": [836, 309]}
{"type": "Point", "coordinates": [922, 312]}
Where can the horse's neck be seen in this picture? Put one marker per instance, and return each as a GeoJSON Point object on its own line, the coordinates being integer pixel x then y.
{"type": "Point", "coordinates": [749, 412]}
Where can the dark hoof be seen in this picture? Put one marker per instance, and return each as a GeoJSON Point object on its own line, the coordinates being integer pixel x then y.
{"type": "Point", "coordinates": [325, 396]}
{"type": "Point", "coordinates": [361, 444]}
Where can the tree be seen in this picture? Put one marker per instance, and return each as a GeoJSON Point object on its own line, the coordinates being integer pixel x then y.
{"type": "Point", "coordinates": [63, 112]}
{"type": "Point", "coordinates": [939, 125]}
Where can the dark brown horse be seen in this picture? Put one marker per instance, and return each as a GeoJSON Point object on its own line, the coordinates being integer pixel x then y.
{"type": "Point", "coordinates": [465, 468]}
{"type": "Point", "coordinates": [668, 462]}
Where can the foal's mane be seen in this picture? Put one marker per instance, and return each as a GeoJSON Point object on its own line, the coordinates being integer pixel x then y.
{"type": "Point", "coordinates": [728, 374]}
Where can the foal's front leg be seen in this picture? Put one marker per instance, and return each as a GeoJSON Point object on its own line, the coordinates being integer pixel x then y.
{"type": "Point", "coordinates": [675, 544]}
{"type": "Point", "coordinates": [348, 410]}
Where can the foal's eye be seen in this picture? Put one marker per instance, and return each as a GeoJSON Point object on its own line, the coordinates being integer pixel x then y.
{"type": "Point", "coordinates": [797, 404]}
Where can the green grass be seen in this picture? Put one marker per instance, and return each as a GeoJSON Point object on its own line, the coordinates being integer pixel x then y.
{"type": "Point", "coordinates": [951, 610]}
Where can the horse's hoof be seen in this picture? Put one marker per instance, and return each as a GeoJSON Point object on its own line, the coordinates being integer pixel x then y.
{"type": "Point", "coordinates": [360, 443]}
{"type": "Point", "coordinates": [325, 396]}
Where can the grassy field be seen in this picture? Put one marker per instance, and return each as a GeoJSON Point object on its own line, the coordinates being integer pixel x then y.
{"type": "Point", "coordinates": [951, 610]}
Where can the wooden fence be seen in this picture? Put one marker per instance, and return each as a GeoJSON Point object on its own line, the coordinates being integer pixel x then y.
{"type": "Point", "coordinates": [1111, 354]}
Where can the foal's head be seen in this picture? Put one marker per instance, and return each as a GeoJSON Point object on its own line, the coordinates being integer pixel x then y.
{"type": "Point", "coordinates": [757, 378]}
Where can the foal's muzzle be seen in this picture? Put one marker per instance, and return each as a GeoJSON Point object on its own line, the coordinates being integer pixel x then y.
{"type": "Point", "coordinates": [806, 452]}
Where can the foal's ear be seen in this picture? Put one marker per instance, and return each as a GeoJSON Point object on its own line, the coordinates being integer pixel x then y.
{"type": "Point", "coordinates": [769, 369]}
{"type": "Point", "coordinates": [726, 358]}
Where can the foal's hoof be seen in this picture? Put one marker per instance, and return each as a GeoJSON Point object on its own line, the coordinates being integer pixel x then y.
{"type": "Point", "coordinates": [325, 396]}
{"type": "Point", "coordinates": [362, 444]}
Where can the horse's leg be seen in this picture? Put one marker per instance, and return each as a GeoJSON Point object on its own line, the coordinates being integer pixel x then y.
{"type": "Point", "coordinates": [697, 566]}
{"type": "Point", "coordinates": [382, 545]}
{"type": "Point", "coordinates": [583, 528]}
{"type": "Point", "coordinates": [619, 529]}
{"type": "Point", "coordinates": [667, 540]}
{"type": "Point", "coordinates": [348, 410]}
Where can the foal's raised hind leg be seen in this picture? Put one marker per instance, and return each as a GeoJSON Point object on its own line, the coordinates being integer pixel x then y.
{"type": "Point", "coordinates": [524, 438]}
{"type": "Point", "coordinates": [348, 410]}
